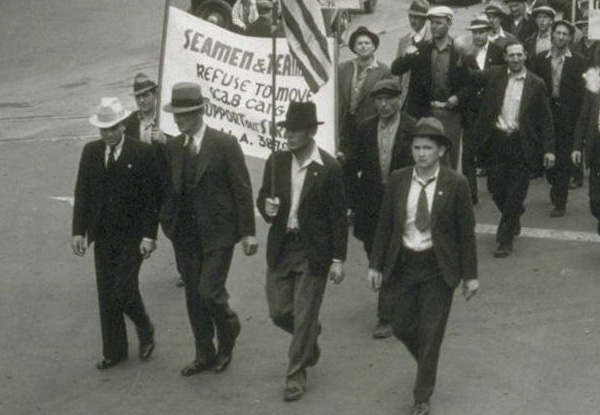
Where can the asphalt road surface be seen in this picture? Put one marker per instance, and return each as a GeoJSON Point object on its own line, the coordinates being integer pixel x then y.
{"type": "Point", "coordinates": [528, 344]}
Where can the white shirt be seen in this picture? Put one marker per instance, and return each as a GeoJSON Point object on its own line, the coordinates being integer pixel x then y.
{"type": "Point", "coordinates": [198, 138]}
{"type": "Point", "coordinates": [482, 55]}
{"type": "Point", "coordinates": [414, 239]}
{"type": "Point", "coordinates": [420, 35]}
{"type": "Point", "coordinates": [298, 176]}
{"type": "Point", "coordinates": [499, 35]}
{"type": "Point", "coordinates": [146, 126]}
{"type": "Point", "coordinates": [118, 150]}
{"type": "Point", "coordinates": [508, 120]}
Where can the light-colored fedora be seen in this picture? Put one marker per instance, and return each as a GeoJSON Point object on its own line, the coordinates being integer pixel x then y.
{"type": "Point", "coordinates": [110, 113]}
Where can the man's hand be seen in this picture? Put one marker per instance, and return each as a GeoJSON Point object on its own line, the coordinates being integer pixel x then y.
{"type": "Point", "coordinates": [374, 279]}
{"type": "Point", "coordinates": [452, 102]}
{"type": "Point", "coordinates": [549, 159]}
{"type": "Point", "coordinates": [272, 206]}
{"type": "Point", "coordinates": [157, 136]}
{"type": "Point", "coordinates": [576, 157]}
{"type": "Point", "coordinates": [341, 157]}
{"type": "Point", "coordinates": [411, 50]}
{"type": "Point", "coordinates": [78, 245]}
{"type": "Point", "coordinates": [250, 245]}
{"type": "Point", "coordinates": [336, 272]}
{"type": "Point", "coordinates": [147, 246]}
{"type": "Point", "coordinates": [470, 288]}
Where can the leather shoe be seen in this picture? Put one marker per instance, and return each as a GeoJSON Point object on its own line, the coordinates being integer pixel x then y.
{"type": "Point", "coordinates": [503, 250]}
{"type": "Point", "coordinates": [196, 367]}
{"type": "Point", "coordinates": [295, 386]}
{"type": "Point", "coordinates": [382, 331]}
{"type": "Point", "coordinates": [108, 363]}
{"type": "Point", "coordinates": [575, 184]}
{"type": "Point", "coordinates": [146, 350]}
{"type": "Point", "coordinates": [222, 362]}
{"type": "Point", "coordinates": [557, 212]}
{"type": "Point", "coordinates": [421, 408]}
{"type": "Point", "coordinates": [180, 283]}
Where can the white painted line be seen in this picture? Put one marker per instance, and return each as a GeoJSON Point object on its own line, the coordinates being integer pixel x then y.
{"type": "Point", "coordinates": [553, 234]}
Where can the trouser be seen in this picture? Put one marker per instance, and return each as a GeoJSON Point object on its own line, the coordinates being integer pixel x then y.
{"type": "Point", "coordinates": [205, 274]}
{"type": "Point", "coordinates": [469, 156]}
{"type": "Point", "coordinates": [117, 267]}
{"type": "Point", "coordinates": [560, 174]}
{"type": "Point", "coordinates": [508, 181]}
{"type": "Point", "coordinates": [451, 120]}
{"type": "Point", "coordinates": [294, 296]}
{"type": "Point", "coordinates": [421, 309]}
{"type": "Point", "coordinates": [384, 297]}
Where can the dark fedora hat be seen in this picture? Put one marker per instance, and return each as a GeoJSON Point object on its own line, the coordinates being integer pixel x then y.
{"type": "Point", "coordinates": [300, 115]}
{"type": "Point", "coordinates": [433, 128]}
{"type": "Point", "coordinates": [387, 86]}
{"type": "Point", "coordinates": [142, 83]}
{"type": "Point", "coordinates": [418, 8]}
{"type": "Point", "coordinates": [185, 97]}
{"type": "Point", "coordinates": [363, 31]}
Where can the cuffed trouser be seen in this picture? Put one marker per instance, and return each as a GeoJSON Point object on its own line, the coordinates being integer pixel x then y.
{"type": "Point", "coordinates": [117, 267]}
{"type": "Point", "coordinates": [559, 175]}
{"type": "Point", "coordinates": [294, 296]}
{"type": "Point", "coordinates": [421, 309]}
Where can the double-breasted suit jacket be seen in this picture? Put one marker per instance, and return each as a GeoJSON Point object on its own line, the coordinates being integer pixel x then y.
{"type": "Point", "coordinates": [452, 226]}
{"type": "Point", "coordinates": [321, 214]}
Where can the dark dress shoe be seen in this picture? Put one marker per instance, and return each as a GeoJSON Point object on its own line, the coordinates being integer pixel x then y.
{"type": "Point", "coordinates": [575, 184]}
{"type": "Point", "coordinates": [222, 362]}
{"type": "Point", "coordinates": [382, 331]}
{"type": "Point", "coordinates": [108, 363]}
{"type": "Point", "coordinates": [293, 393]}
{"type": "Point", "coordinates": [146, 350]}
{"type": "Point", "coordinates": [421, 408]}
{"type": "Point", "coordinates": [557, 212]}
{"type": "Point", "coordinates": [197, 366]}
{"type": "Point", "coordinates": [180, 282]}
{"type": "Point", "coordinates": [503, 250]}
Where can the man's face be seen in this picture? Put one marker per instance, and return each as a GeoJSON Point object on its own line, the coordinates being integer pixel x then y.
{"type": "Point", "coordinates": [146, 101]}
{"type": "Point", "coordinates": [364, 47]}
{"type": "Point", "coordinates": [517, 9]}
{"type": "Point", "coordinates": [480, 37]}
{"type": "Point", "coordinates": [561, 37]}
{"type": "Point", "coordinates": [426, 152]}
{"type": "Point", "coordinates": [515, 56]}
{"type": "Point", "coordinates": [439, 27]}
{"type": "Point", "coordinates": [188, 122]}
{"type": "Point", "coordinates": [495, 20]}
{"type": "Point", "coordinates": [112, 135]}
{"type": "Point", "coordinates": [543, 22]}
{"type": "Point", "coordinates": [299, 139]}
{"type": "Point", "coordinates": [416, 22]}
{"type": "Point", "coordinates": [387, 105]}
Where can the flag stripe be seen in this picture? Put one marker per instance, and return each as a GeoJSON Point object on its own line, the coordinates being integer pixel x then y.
{"type": "Point", "coordinates": [318, 32]}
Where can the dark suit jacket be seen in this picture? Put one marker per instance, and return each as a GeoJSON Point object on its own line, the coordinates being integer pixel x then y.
{"type": "Point", "coordinates": [365, 107]}
{"type": "Point", "coordinates": [494, 57]}
{"type": "Point", "coordinates": [131, 202]}
{"type": "Point", "coordinates": [586, 131]}
{"type": "Point", "coordinates": [364, 169]}
{"type": "Point", "coordinates": [452, 226]}
{"type": "Point", "coordinates": [526, 28]}
{"type": "Point", "coordinates": [321, 215]}
{"type": "Point", "coordinates": [222, 197]}
{"type": "Point", "coordinates": [420, 92]}
{"type": "Point", "coordinates": [535, 118]}
{"type": "Point", "coordinates": [261, 27]}
{"type": "Point", "coordinates": [571, 85]}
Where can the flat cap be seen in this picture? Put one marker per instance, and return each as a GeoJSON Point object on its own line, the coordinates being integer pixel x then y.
{"type": "Point", "coordinates": [387, 86]}
{"type": "Point", "coordinates": [441, 11]}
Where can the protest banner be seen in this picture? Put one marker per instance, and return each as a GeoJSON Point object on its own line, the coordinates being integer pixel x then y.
{"type": "Point", "coordinates": [594, 20]}
{"type": "Point", "coordinates": [235, 73]}
{"type": "Point", "coordinates": [341, 4]}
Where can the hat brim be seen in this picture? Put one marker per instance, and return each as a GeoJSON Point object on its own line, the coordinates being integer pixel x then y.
{"type": "Point", "coordinates": [441, 139]}
{"type": "Point", "coordinates": [97, 123]}
{"type": "Point", "coordinates": [144, 90]}
{"type": "Point", "coordinates": [387, 92]}
{"type": "Point", "coordinates": [417, 14]}
{"type": "Point", "coordinates": [479, 27]}
{"type": "Point", "coordinates": [179, 110]}
{"type": "Point", "coordinates": [373, 36]}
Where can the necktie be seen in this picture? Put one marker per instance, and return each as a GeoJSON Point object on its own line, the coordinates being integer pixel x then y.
{"type": "Point", "coordinates": [422, 219]}
{"type": "Point", "coordinates": [110, 164]}
{"type": "Point", "coordinates": [191, 146]}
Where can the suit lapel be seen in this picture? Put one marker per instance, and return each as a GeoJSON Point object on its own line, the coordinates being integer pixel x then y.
{"type": "Point", "coordinates": [526, 97]}
{"type": "Point", "coordinates": [440, 196]}
{"type": "Point", "coordinates": [204, 155]}
{"type": "Point", "coordinates": [402, 198]}
{"type": "Point", "coordinates": [564, 79]}
{"type": "Point", "coordinates": [313, 171]}
{"type": "Point", "coordinates": [177, 163]}
{"type": "Point", "coordinates": [283, 171]}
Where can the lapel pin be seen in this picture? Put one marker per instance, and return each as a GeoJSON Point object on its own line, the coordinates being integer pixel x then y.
{"type": "Point", "coordinates": [440, 193]}
{"type": "Point", "coordinates": [315, 173]}
{"type": "Point", "coordinates": [129, 166]}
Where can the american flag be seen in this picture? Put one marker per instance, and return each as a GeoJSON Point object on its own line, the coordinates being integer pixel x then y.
{"type": "Point", "coordinates": [307, 40]}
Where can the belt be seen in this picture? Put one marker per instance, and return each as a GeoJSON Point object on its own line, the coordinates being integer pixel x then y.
{"type": "Point", "coordinates": [416, 255]}
{"type": "Point", "coordinates": [507, 134]}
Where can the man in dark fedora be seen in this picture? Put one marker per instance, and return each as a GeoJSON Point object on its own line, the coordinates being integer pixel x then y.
{"type": "Point", "coordinates": [116, 209]}
{"type": "Point", "coordinates": [425, 246]}
{"type": "Point", "coordinates": [207, 209]}
{"type": "Point", "coordinates": [380, 146]}
{"type": "Point", "coordinates": [306, 207]}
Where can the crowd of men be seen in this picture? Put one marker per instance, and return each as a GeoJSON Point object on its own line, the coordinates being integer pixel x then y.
{"type": "Point", "coordinates": [517, 99]}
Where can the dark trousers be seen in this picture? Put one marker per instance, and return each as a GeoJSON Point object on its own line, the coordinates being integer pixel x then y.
{"type": "Point", "coordinates": [508, 181]}
{"type": "Point", "coordinates": [384, 298]}
{"type": "Point", "coordinates": [205, 274]}
{"type": "Point", "coordinates": [560, 174]}
{"type": "Point", "coordinates": [469, 155]}
{"type": "Point", "coordinates": [294, 296]}
{"type": "Point", "coordinates": [117, 267]}
{"type": "Point", "coordinates": [421, 309]}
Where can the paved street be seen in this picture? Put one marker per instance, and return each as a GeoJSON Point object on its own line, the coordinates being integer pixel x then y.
{"type": "Point", "coordinates": [528, 344]}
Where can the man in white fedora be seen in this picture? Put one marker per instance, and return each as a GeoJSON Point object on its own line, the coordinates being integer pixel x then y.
{"type": "Point", "coordinates": [116, 209]}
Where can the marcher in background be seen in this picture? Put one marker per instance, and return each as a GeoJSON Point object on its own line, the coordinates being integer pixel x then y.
{"type": "Point", "coordinates": [515, 128]}
{"type": "Point", "coordinates": [483, 55]}
{"type": "Point", "coordinates": [562, 71]}
{"type": "Point", "coordinates": [306, 207]}
{"type": "Point", "coordinates": [261, 27]}
{"type": "Point", "coordinates": [380, 146]}
{"type": "Point", "coordinates": [497, 15]}
{"type": "Point", "coordinates": [116, 209]}
{"type": "Point", "coordinates": [587, 138]}
{"type": "Point", "coordinates": [207, 208]}
{"type": "Point", "coordinates": [243, 13]}
{"type": "Point", "coordinates": [590, 49]}
{"type": "Point", "coordinates": [419, 33]}
{"type": "Point", "coordinates": [438, 83]}
{"type": "Point", "coordinates": [519, 23]}
{"type": "Point", "coordinates": [356, 78]}
{"type": "Point", "coordinates": [424, 247]}
{"type": "Point", "coordinates": [541, 40]}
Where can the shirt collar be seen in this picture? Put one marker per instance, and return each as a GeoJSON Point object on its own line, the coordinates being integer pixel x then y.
{"type": "Point", "coordinates": [418, 179]}
{"type": "Point", "coordinates": [141, 117]}
{"type": "Point", "coordinates": [198, 136]}
{"type": "Point", "coordinates": [445, 46]}
{"type": "Point", "coordinates": [374, 64]}
{"type": "Point", "coordinates": [567, 54]}
{"type": "Point", "coordinates": [485, 47]}
{"type": "Point", "coordinates": [315, 156]}
{"type": "Point", "coordinates": [543, 35]}
{"type": "Point", "coordinates": [520, 75]}
{"type": "Point", "coordinates": [392, 121]}
{"type": "Point", "coordinates": [118, 147]}
{"type": "Point", "coordinates": [420, 35]}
